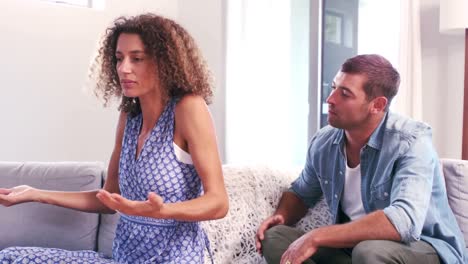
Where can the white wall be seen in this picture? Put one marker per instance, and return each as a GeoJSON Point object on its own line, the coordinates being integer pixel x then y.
{"type": "Point", "coordinates": [442, 72]}
{"type": "Point", "coordinates": [46, 48]}
{"type": "Point", "coordinates": [45, 51]}
{"type": "Point", "coordinates": [45, 113]}
{"type": "Point", "coordinates": [204, 19]}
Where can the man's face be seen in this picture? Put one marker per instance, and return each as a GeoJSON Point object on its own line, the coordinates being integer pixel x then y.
{"type": "Point", "coordinates": [348, 107]}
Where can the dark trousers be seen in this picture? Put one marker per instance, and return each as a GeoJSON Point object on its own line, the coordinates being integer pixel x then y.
{"type": "Point", "coordinates": [278, 238]}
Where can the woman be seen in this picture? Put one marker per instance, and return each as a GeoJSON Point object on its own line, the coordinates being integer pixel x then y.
{"type": "Point", "coordinates": [165, 150]}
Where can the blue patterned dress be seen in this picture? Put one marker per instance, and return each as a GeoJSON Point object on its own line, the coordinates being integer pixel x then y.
{"type": "Point", "coordinates": [141, 239]}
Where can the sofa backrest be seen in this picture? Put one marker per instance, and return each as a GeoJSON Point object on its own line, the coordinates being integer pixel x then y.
{"type": "Point", "coordinates": [456, 181]}
{"type": "Point", "coordinates": [254, 192]}
{"type": "Point", "coordinates": [33, 224]}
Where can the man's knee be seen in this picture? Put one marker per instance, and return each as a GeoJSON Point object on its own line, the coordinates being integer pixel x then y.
{"type": "Point", "coordinates": [372, 251]}
{"type": "Point", "coordinates": [276, 236]}
{"type": "Point", "coordinates": [386, 251]}
{"type": "Point", "coordinates": [277, 240]}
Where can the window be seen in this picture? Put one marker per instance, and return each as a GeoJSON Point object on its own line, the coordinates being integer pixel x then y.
{"type": "Point", "coordinates": [282, 56]}
{"type": "Point", "coordinates": [352, 27]}
{"type": "Point", "coordinates": [97, 4]}
{"type": "Point", "coordinates": [267, 81]}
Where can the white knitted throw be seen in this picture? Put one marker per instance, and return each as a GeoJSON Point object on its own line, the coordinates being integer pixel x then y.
{"type": "Point", "coordinates": [254, 192]}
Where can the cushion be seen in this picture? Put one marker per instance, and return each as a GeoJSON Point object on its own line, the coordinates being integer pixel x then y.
{"type": "Point", "coordinates": [107, 226]}
{"type": "Point", "coordinates": [106, 234]}
{"type": "Point", "coordinates": [456, 181]}
{"type": "Point", "coordinates": [35, 224]}
{"type": "Point", "coordinates": [254, 192]}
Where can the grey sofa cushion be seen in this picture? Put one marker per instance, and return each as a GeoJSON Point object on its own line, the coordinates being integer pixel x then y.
{"type": "Point", "coordinates": [107, 226]}
{"type": "Point", "coordinates": [107, 233]}
{"type": "Point", "coordinates": [456, 181]}
{"type": "Point", "coordinates": [34, 224]}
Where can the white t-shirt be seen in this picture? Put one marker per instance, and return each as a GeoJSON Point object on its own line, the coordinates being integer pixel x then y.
{"type": "Point", "coordinates": [351, 200]}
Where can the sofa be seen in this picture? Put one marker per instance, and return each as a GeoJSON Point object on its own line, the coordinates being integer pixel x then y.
{"type": "Point", "coordinates": [254, 192]}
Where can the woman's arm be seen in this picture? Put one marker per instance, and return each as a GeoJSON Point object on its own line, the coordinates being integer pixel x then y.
{"type": "Point", "coordinates": [194, 132]}
{"type": "Point", "coordinates": [83, 201]}
{"type": "Point", "coordinates": [194, 123]}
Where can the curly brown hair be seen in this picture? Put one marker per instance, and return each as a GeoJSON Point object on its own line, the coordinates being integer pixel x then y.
{"type": "Point", "coordinates": [181, 67]}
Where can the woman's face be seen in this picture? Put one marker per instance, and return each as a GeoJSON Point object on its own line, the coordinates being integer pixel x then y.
{"type": "Point", "coordinates": [136, 70]}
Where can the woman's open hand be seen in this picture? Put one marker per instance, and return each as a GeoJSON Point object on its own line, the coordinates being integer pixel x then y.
{"type": "Point", "coordinates": [149, 208]}
{"type": "Point", "coordinates": [16, 195]}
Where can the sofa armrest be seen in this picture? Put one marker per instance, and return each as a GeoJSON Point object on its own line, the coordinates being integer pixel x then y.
{"type": "Point", "coordinates": [456, 180]}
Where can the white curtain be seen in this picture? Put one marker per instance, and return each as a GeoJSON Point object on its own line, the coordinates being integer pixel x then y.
{"type": "Point", "coordinates": [258, 82]}
{"type": "Point", "coordinates": [409, 99]}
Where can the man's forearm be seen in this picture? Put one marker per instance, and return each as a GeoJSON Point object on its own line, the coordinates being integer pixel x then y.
{"type": "Point", "coordinates": [374, 226]}
{"type": "Point", "coordinates": [291, 208]}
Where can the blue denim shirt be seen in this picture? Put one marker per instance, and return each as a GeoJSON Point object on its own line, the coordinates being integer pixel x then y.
{"type": "Point", "coordinates": [400, 175]}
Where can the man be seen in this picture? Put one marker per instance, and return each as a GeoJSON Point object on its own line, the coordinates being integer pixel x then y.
{"type": "Point", "coordinates": [380, 176]}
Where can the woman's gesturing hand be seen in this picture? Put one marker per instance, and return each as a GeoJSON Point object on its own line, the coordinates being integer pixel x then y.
{"type": "Point", "coordinates": [16, 195]}
{"type": "Point", "coordinates": [149, 208]}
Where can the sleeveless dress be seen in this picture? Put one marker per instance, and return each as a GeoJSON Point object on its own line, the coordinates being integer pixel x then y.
{"type": "Point", "coordinates": [142, 239]}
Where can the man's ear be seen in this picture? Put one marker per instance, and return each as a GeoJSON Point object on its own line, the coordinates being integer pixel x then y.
{"type": "Point", "coordinates": [379, 104]}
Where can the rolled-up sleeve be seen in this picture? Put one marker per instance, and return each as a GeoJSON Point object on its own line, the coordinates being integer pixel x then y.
{"type": "Point", "coordinates": [411, 188]}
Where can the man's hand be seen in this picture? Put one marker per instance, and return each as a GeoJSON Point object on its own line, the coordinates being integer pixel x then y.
{"type": "Point", "coordinates": [149, 208]}
{"type": "Point", "coordinates": [265, 225]}
{"type": "Point", "coordinates": [16, 195]}
{"type": "Point", "coordinates": [300, 250]}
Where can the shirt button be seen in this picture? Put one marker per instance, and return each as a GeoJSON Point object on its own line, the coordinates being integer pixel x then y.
{"type": "Point", "coordinates": [336, 196]}
{"type": "Point", "coordinates": [385, 194]}
{"type": "Point", "coordinates": [341, 173]}
{"type": "Point", "coordinates": [326, 182]}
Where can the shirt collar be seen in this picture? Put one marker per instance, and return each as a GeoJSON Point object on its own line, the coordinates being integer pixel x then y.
{"type": "Point", "coordinates": [375, 140]}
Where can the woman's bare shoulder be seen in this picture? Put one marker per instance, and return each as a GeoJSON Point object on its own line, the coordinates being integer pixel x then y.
{"type": "Point", "coordinates": [190, 102]}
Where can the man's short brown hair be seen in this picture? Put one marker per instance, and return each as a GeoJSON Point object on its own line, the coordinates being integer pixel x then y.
{"type": "Point", "coordinates": [382, 78]}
